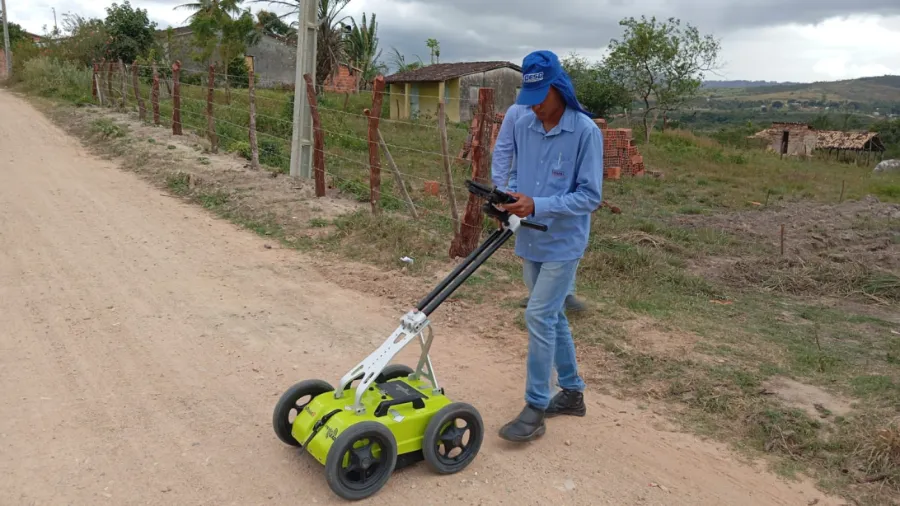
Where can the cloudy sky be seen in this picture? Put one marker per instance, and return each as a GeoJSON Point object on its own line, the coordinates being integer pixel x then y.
{"type": "Point", "coordinates": [761, 39]}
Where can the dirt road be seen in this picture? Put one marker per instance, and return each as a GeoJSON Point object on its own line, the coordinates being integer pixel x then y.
{"type": "Point", "coordinates": [144, 343]}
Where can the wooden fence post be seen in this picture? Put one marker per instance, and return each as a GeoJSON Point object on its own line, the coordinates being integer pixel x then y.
{"type": "Point", "coordinates": [374, 160]}
{"type": "Point", "coordinates": [154, 95]}
{"type": "Point", "coordinates": [466, 240]}
{"type": "Point", "coordinates": [94, 79]}
{"type": "Point", "coordinates": [210, 120]}
{"type": "Point", "coordinates": [124, 83]}
{"type": "Point", "coordinates": [176, 98]}
{"type": "Point", "coordinates": [254, 147]}
{"type": "Point", "coordinates": [448, 175]}
{"type": "Point", "coordinates": [142, 109]}
{"type": "Point", "coordinates": [318, 137]}
{"type": "Point", "coordinates": [109, 70]}
{"type": "Point", "coordinates": [101, 81]}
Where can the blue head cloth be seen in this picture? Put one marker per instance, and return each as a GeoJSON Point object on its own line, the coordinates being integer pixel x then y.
{"type": "Point", "coordinates": [540, 71]}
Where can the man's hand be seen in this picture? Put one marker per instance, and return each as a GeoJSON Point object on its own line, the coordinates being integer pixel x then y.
{"type": "Point", "coordinates": [522, 207]}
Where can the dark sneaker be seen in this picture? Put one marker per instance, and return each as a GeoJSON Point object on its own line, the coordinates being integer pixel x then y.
{"type": "Point", "coordinates": [529, 425]}
{"type": "Point", "coordinates": [523, 302]}
{"type": "Point", "coordinates": [567, 402]}
{"type": "Point", "coordinates": [574, 305]}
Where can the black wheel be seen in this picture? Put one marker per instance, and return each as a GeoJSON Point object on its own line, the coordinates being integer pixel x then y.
{"type": "Point", "coordinates": [394, 371]}
{"type": "Point", "coordinates": [291, 403]}
{"type": "Point", "coordinates": [452, 438]}
{"type": "Point", "coordinates": [361, 460]}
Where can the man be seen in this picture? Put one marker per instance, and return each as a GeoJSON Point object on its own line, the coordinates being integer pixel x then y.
{"type": "Point", "coordinates": [500, 165]}
{"type": "Point", "coordinates": [557, 179]}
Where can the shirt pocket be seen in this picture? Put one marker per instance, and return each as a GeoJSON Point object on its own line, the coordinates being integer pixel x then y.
{"type": "Point", "coordinates": [561, 175]}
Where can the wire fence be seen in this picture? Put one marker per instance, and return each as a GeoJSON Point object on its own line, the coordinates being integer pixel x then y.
{"type": "Point", "coordinates": [376, 145]}
{"type": "Point", "coordinates": [417, 165]}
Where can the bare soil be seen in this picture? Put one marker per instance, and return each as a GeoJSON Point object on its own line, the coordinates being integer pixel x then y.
{"type": "Point", "coordinates": [143, 344]}
{"type": "Point", "coordinates": [863, 231]}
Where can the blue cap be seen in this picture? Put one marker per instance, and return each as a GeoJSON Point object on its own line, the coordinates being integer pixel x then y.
{"type": "Point", "coordinates": [539, 70]}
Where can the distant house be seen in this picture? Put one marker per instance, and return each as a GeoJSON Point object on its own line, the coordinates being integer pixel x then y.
{"type": "Point", "coordinates": [789, 139]}
{"type": "Point", "coordinates": [345, 79]}
{"type": "Point", "coordinates": [416, 93]}
{"type": "Point", "coordinates": [846, 144]}
{"type": "Point", "coordinates": [800, 139]}
{"type": "Point", "coordinates": [36, 39]}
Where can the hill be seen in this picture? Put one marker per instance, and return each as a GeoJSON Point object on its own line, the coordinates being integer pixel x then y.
{"type": "Point", "coordinates": [741, 84]}
{"type": "Point", "coordinates": [873, 91]}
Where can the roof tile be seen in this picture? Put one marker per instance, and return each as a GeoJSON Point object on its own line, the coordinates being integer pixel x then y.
{"type": "Point", "coordinates": [445, 71]}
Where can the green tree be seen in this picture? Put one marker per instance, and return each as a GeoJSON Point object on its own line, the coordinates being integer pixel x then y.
{"type": "Point", "coordinates": [221, 26]}
{"type": "Point", "coordinates": [399, 61]}
{"type": "Point", "coordinates": [661, 64]}
{"type": "Point", "coordinates": [237, 35]}
{"type": "Point", "coordinates": [595, 86]}
{"type": "Point", "coordinates": [85, 40]}
{"type": "Point", "coordinates": [330, 41]}
{"type": "Point", "coordinates": [130, 32]}
{"type": "Point", "coordinates": [16, 32]}
{"type": "Point", "coordinates": [362, 48]}
{"type": "Point", "coordinates": [212, 9]}
{"type": "Point", "coordinates": [435, 48]}
{"type": "Point", "coordinates": [330, 37]}
{"type": "Point", "coordinates": [271, 24]}
{"type": "Point", "coordinates": [889, 131]}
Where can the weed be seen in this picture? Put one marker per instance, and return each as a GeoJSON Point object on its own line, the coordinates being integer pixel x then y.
{"type": "Point", "coordinates": [178, 183]}
{"type": "Point", "coordinates": [106, 128]}
{"type": "Point", "coordinates": [214, 199]}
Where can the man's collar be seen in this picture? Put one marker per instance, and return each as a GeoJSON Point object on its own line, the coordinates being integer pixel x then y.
{"type": "Point", "coordinates": [566, 123]}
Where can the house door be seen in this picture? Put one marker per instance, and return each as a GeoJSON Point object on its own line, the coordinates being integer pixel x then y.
{"type": "Point", "coordinates": [414, 101]}
{"type": "Point", "coordinates": [785, 139]}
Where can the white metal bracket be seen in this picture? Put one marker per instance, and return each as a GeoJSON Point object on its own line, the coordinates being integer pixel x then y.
{"type": "Point", "coordinates": [413, 324]}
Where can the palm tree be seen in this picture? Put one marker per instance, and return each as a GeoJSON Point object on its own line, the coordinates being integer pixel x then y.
{"type": "Point", "coordinates": [330, 41]}
{"type": "Point", "coordinates": [362, 48]}
{"type": "Point", "coordinates": [435, 47]}
{"type": "Point", "coordinates": [212, 9]}
{"type": "Point", "coordinates": [399, 61]}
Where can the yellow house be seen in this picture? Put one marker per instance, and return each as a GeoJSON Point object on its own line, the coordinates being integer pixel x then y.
{"type": "Point", "coordinates": [416, 93]}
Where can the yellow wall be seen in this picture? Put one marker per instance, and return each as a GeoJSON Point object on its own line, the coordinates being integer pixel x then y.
{"type": "Point", "coordinates": [429, 93]}
{"type": "Point", "coordinates": [397, 100]}
{"type": "Point", "coordinates": [453, 102]}
{"type": "Point", "coordinates": [428, 100]}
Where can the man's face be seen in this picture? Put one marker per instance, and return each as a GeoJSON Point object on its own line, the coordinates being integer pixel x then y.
{"type": "Point", "coordinates": [550, 107]}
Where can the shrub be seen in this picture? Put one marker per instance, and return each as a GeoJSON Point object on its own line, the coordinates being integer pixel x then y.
{"type": "Point", "coordinates": [53, 78]}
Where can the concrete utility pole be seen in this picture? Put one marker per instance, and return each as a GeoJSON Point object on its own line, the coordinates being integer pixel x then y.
{"type": "Point", "coordinates": [6, 47]}
{"type": "Point", "coordinates": [301, 141]}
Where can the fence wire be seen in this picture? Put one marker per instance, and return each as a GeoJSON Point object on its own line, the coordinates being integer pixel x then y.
{"type": "Point", "coordinates": [414, 146]}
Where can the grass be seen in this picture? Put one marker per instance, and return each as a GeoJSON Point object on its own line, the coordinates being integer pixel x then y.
{"type": "Point", "coordinates": [690, 315]}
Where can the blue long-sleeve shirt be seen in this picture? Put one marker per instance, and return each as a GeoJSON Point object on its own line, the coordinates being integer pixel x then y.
{"type": "Point", "coordinates": [501, 161]}
{"type": "Point", "coordinates": [562, 170]}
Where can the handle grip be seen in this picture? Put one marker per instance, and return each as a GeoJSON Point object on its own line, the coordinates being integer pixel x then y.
{"type": "Point", "coordinates": [536, 226]}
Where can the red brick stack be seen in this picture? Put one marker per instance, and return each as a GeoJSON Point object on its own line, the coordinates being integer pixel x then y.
{"type": "Point", "coordinates": [620, 155]}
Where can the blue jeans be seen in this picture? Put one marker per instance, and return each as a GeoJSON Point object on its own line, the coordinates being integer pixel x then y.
{"type": "Point", "coordinates": [549, 338]}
